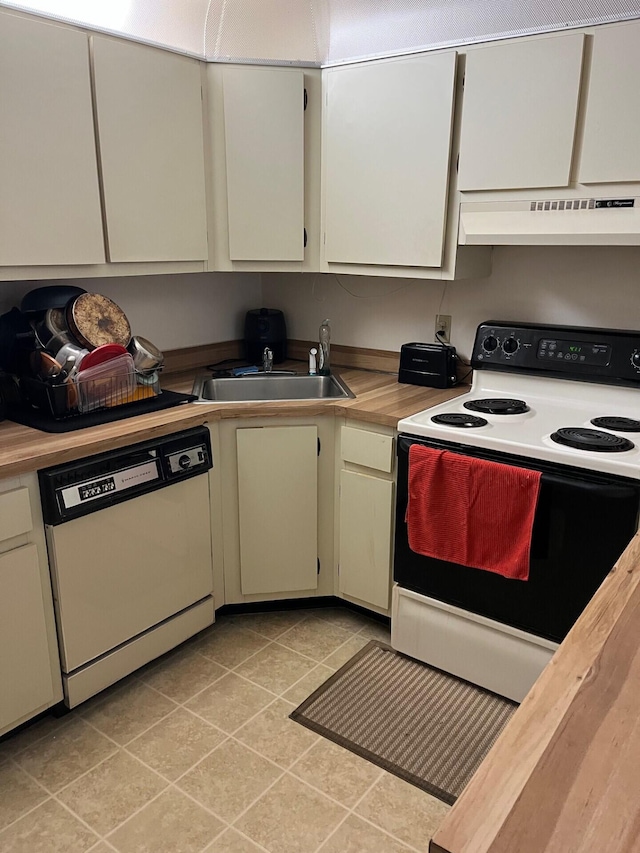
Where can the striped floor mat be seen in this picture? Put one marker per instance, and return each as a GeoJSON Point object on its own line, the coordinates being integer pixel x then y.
{"type": "Point", "coordinates": [423, 725]}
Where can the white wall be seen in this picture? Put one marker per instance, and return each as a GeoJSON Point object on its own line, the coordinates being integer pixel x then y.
{"type": "Point", "coordinates": [583, 286]}
{"type": "Point", "coordinates": [173, 311]}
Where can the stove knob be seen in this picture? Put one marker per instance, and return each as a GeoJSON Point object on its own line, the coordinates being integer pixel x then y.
{"type": "Point", "coordinates": [490, 343]}
{"type": "Point", "coordinates": [635, 359]}
{"type": "Point", "coordinates": [510, 345]}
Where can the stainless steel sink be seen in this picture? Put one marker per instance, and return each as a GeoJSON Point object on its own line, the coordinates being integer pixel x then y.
{"type": "Point", "coordinates": [269, 387]}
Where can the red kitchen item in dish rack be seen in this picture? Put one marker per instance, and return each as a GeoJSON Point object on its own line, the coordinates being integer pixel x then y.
{"type": "Point", "coordinates": [105, 352]}
{"type": "Point", "coordinates": [470, 511]}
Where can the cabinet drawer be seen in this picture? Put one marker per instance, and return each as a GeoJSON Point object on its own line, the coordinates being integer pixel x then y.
{"type": "Point", "coordinates": [15, 513]}
{"type": "Point", "coordinates": [370, 449]}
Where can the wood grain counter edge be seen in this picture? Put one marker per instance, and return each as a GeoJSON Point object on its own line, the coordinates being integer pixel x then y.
{"type": "Point", "coordinates": [379, 399]}
{"type": "Point", "coordinates": [564, 775]}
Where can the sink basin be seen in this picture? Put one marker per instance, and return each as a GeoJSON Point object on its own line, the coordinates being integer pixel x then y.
{"type": "Point", "coordinates": [269, 387]}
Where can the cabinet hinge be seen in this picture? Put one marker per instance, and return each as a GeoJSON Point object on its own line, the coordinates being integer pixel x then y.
{"type": "Point", "coordinates": [304, 238]}
{"type": "Point", "coordinates": [305, 99]}
{"type": "Point", "coordinates": [319, 446]}
{"type": "Point", "coordinates": [458, 163]}
{"type": "Point", "coordinates": [318, 565]}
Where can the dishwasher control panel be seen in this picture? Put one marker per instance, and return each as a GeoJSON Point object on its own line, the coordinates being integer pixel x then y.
{"type": "Point", "coordinates": [87, 485]}
{"type": "Point", "coordinates": [185, 460]}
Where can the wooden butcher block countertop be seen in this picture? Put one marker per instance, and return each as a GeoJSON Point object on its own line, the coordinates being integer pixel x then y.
{"type": "Point", "coordinates": [379, 399]}
{"type": "Point", "coordinates": [564, 776]}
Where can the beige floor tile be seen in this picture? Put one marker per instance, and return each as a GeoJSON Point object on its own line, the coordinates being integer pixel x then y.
{"type": "Point", "coordinates": [316, 638]}
{"type": "Point", "coordinates": [229, 779]}
{"type": "Point", "coordinates": [233, 842]}
{"type": "Point", "coordinates": [129, 712]}
{"type": "Point", "coordinates": [230, 645]}
{"type": "Point", "coordinates": [358, 836]}
{"type": "Point", "coordinates": [346, 652]}
{"type": "Point", "coordinates": [183, 674]}
{"type": "Point", "coordinates": [48, 829]}
{"type": "Point", "coordinates": [336, 772]}
{"type": "Point", "coordinates": [101, 847]}
{"type": "Point", "coordinates": [291, 817]}
{"type": "Point", "coordinates": [302, 689]}
{"type": "Point", "coordinates": [176, 743]}
{"type": "Point", "coordinates": [403, 810]}
{"type": "Point", "coordinates": [18, 793]}
{"type": "Point", "coordinates": [170, 824]}
{"type": "Point", "coordinates": [376, 631]}
{"type": "Point", "coordinates": [230, 702]}
{"type": "Point", "coordinates": [65, 754]}
{"type": "Point", "coordinates": [276, 668]}
{"type": "Point", "coordinates": [343, 617]}
{"type": "Point", "coordinates": [271, 624]}
{"type": "Point", "coordinates": [112, 792]}
{"type": "Point", "coordinates": [18, 741]}
{"type": "Point", "coordinates": [275, 736]}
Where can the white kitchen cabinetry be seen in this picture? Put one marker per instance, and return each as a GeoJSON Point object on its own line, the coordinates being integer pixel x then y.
{"type": "Point", "coordinates": [519, 114]}
{"type": "Point", "coordinates": [275, 492]}
{"type": "Point", "coordinates": [264, 167]}
{"type": "Point", "coordinates": [365, 515]}
{"type": "Point", "coordinates": [387, 141]}
{"type": "Point", "coordinates": [150, 130]}
{"type": "Point", "coordinates": [49, 195]}
{"type": "Point", "coordinates": [29, 663]}
{"type": "Point", "coordinates": [610, 150]}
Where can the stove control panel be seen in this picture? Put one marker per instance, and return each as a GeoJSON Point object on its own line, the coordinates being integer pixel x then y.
{"type": "Point", "coordinates": [609, 356]}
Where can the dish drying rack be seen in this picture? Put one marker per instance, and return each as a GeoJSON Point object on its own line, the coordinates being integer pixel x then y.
{"type": "Point", "coordinates": [79, 395]}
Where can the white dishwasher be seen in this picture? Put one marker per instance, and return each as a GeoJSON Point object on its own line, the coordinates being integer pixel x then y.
{"type": "Point", "coordinates": [129, 540]}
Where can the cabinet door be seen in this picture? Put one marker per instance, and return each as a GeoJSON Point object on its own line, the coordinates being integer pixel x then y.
{"type": "Point", "coordinates": [387, 138]}
{"type": "Point", "coordinates": [519, 114]}
{"type": "Point", "coordinates": [149, 113]}
{"type": "Point", "coordinates": [264, 145]}
{"type": "Point", "coordinates": [278, 508]}
{"type": "Point", "coordinates": [49, 196]}
{"type": "Point", "coordinates": [366, 508]}
{"type": "Point", "coordinates": [25, 664]}
{"type": "Point", "coordinates": [612, 123]}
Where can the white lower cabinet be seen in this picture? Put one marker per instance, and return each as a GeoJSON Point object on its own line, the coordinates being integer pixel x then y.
{"type": "Point", "coordinates": [274, 488]}
{"type": "Point", "coordinates": [364, 514]}
{"type": "Point", "coordinates": [29, 663]}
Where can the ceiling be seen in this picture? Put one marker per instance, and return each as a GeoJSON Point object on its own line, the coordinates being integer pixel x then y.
{"type": "Point", "coordinates": [323, 32]}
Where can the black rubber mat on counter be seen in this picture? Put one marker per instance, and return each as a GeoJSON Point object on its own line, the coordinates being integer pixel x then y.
{"type": "Point", "coordinates": [39, 419]}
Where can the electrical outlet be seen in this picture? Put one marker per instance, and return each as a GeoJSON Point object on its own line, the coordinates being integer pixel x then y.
{"type": "Point", "coordinates": [443, 328]}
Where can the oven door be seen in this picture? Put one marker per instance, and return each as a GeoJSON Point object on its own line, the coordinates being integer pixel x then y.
{"type": "Point", "coordinates": [583, 522]}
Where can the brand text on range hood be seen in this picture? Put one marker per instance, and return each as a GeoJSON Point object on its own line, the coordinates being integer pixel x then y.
{"type": "Point", "coordinates": [567, 219]}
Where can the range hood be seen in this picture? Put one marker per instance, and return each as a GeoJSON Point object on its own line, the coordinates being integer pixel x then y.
{"type": "Point", "coordinates": [570, 218]}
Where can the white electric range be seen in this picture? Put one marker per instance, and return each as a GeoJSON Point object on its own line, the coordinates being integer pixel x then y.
{"type": "Point", "coordinates": [564, 401]}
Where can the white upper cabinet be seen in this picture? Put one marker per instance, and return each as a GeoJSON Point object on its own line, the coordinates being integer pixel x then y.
{"type": "Point", "coordinates": [150, 130]}
{"type": "Point", "coordinates": [264, 149]}
{"type": "Point", "coordinates": [49, 196]}
{"type": "Point", "coordinates": [387, 141]}
{"type": "Point", "coordinates": [519, 114]}
{"type": "Point", "coordinates": [610, 149]}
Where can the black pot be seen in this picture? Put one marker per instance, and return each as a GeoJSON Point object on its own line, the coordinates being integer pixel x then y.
{"type": "Point", "coordinates": [53, 296]}
{"type": "Point", "coordinates": [265, 327]}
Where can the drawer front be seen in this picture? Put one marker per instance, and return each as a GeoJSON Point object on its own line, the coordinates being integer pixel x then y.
{"type": "Point", "coordinates": [15, 513]}
{"type": "Point", "coordinates": [370, 449]}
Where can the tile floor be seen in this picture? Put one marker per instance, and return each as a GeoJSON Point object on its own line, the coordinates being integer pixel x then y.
{"type": "Point", "coordinates": [195, 753]}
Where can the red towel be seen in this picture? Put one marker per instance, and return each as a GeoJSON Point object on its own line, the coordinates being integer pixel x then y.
{"type": "Point", "coordinates": [471, 511]}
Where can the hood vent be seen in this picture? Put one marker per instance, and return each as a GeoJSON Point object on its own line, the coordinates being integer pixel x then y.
{"type": "Point", "coordinates": [611, 220]}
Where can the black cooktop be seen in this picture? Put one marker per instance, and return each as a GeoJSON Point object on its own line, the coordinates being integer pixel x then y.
{"type": "Point", "coordinates": [497, 406]}
{"type": "Point", "coordinates": [584, 438]}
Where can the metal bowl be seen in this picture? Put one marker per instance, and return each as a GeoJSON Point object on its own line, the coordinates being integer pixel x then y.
{"type": "Point", "coordinates": [147, 358]}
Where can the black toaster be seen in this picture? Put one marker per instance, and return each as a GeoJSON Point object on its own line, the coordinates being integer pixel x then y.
{"type": "Point", "coordinates": [433, 365]}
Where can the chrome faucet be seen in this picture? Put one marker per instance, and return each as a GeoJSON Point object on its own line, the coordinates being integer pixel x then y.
{"type": "Point", "coordinates": [267, 360]}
